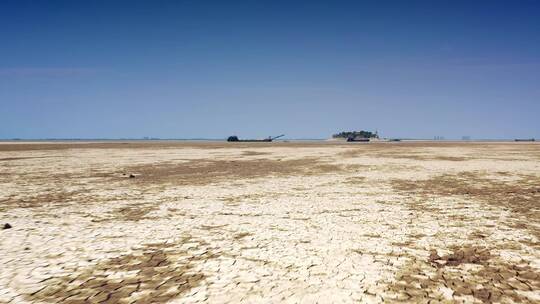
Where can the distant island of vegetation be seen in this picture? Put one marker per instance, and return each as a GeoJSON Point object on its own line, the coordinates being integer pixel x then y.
{"type": "Point", "coordinates": [356, 134]}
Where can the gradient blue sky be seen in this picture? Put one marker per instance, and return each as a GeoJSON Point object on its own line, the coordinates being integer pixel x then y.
{"type": "Point", "coordinates": [184, 69]}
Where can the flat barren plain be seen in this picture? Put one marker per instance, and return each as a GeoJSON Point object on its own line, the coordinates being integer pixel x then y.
{"type": "Point", "coordinates": [184, 222]}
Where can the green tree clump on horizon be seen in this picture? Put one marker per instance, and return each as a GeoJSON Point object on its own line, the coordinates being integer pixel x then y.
{"type": "Point", "coordinates": [355, 134]}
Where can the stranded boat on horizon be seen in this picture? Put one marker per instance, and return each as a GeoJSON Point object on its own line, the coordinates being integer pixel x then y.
{"type": "Point", "coordinates": [234, 138]}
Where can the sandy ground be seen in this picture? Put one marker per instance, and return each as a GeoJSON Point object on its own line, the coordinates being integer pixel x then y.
{"type": "Point", "coordinates": [266, 223]}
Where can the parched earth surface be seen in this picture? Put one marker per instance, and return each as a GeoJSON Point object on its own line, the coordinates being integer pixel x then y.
{"type": "Point", "coordinates": [183, 222]}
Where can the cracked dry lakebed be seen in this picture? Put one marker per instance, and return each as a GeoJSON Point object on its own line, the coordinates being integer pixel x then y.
{"type": "Point", "coordinates": [297, 222]}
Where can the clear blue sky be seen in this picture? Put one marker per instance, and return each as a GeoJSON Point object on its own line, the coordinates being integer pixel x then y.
{"type": "Point", "coordinates": [184, 69]}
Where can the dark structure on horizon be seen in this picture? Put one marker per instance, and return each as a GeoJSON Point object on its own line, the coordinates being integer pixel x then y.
{"type": "Point", "coordinates": [235, 138]}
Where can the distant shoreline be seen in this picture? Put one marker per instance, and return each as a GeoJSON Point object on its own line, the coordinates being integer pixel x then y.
{"type": "Point", "coordinates": [98, 140]}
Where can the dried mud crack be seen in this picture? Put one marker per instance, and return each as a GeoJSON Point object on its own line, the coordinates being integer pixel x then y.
{"type": "Point", "coordinates": [157, 272]}
{"type": "Point", "coordinates": [466, 274]}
